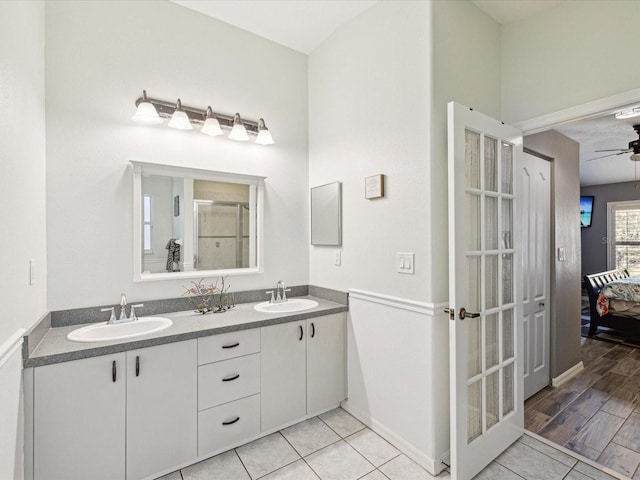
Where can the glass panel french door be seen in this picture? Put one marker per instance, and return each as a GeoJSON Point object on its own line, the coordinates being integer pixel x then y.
{"type": "Point", "coordinates": [486, 341]}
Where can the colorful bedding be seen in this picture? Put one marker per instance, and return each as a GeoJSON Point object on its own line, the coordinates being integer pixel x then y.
{"type": "Point", "coordinates": [621, 295]}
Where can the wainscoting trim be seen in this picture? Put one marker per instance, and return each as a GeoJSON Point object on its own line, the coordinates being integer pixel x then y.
{"type": "Point", "coordinates": [11, 345]}
{"type": "Point", "coordinates": [431, 309]}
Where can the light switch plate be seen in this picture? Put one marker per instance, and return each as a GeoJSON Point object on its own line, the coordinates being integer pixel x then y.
{"type": "Point", "coordinates": [338, 259]}
{"type": "Point", "coordinates": [561, 254]}
{"type": "Point", "coordinates": [404, 262]}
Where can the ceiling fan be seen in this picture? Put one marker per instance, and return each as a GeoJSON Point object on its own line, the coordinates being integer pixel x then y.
{"type": "Point", "coordinates": [634, 147]}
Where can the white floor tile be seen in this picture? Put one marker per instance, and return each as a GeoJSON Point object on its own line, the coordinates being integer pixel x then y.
{"type": "Point", "coordinates": [226, 466]}
{"type": "Point", "coordinates": [532, 464]}
{"type": "Point", "coordinates": [496, 471]}
{"type": "Point", "coordinates": [296, 471]}
{"type": "Point", "coordinates": [403, 468]}
{"type": "Point", "coordinates": [375, 475]}
{"type": "Point", "coordinates": [373, 447]}
{"type": "Point", "coordinates": [266, 455]}
{"type": "Point", "coordinates": [171, 476]}
{"type": "Point", "coordinates": [341, 422]}
{"type": "Point", "coordinates": [339, 462]}
{"type": "Point", "coordinates": [310, 436]}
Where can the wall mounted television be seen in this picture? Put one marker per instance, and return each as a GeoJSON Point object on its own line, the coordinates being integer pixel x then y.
{"type": "Point", "coordinates": [586, 209]}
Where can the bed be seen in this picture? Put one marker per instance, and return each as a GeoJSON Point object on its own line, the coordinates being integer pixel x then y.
{"type": "Point", "coordinates": [614, 300]}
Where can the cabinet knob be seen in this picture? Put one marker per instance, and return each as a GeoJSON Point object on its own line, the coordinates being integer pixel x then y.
{"type": "Point", "coordinates": [137, 365]}
{"type": "Point", "coordinates": [232, 378]}
{"type": "Point", "coordinates": [233, 345]}
{"type": "Point", "coordinates": [114, 372]}
{"type": "Point", "coordinates": [313, 329]}
{"type": "Point", "coordinates": [301, 332]}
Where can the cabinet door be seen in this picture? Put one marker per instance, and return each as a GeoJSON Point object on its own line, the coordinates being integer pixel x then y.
{"type": "Point", "coordinates": [79, 419]}
{"type": "Point", "coordinates": [283, 374]}
{"type": "Point", "coordinates": [325, 362]}
{"type": "Point", "coordinates": [162, 413]}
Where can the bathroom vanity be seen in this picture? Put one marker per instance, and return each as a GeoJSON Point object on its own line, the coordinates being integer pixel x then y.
{"type": "Point", "coordinates": [139, 409]}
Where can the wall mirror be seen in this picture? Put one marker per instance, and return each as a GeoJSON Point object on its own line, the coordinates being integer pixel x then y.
{"type": "Point", "coordinates": [326, 214]}
{"type": "Point", "coordinates": [191, 223]}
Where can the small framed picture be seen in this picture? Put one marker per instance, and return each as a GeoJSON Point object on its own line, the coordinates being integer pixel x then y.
{"type": "Point", "coordinates": [374, 186]}
{"type": "Point", "coordinates": [176, 206]}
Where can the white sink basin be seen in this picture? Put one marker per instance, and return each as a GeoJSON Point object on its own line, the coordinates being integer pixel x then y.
{"type": "Point", "coordinates": [103, 332]}
{"type": "Point", "coordinates": [291, 305]}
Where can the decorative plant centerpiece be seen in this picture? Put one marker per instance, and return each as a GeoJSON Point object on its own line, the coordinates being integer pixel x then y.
{"type": "Point", "coordinates": [209, 297]}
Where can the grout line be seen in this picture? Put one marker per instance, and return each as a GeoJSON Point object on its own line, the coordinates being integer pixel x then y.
{"type": "Point", "coordinates": [235, 450]}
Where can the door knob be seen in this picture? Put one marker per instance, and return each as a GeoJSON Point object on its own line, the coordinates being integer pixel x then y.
{"type": "Point", "coordinates": [463, 313]}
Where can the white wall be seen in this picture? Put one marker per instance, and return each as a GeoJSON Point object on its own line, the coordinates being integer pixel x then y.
{"type": "Point", "coordinates": [100, 55]}
{"type": "Point", "coordinates": [466, 69]}
{"type": "Point", "coordinates": [569, 55]}
{"type": "Point", "coordinates": [22, 195]}
{"type": "Point", "coordinates": [369, 88]}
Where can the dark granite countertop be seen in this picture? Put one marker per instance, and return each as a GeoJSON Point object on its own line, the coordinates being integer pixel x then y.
{"type": "Point", "coordinates": [55, 347]}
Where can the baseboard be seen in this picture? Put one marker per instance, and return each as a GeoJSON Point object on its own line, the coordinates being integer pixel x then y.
{"type": "Point", "coordinates": [567, 375]}
{"type": "Point", "coordinates": [433, 467]}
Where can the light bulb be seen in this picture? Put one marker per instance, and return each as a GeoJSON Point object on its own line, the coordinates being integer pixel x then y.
{"type": "Point", "coordinates": [211, 125]}
{"type": "Point", "coordinates": [180, 119]}
{"type": "Point", "coordinates": [146, 112]}
{"type": "Point", "coordinates": [238, 132]}
{"type": "Point", "coordinates": [264, 135]}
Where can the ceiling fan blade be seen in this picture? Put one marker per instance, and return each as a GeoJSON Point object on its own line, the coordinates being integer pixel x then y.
{"type": "Point", "coordinates": [621, 150]}
{"type": "Point", "coordinates": [610, 155]}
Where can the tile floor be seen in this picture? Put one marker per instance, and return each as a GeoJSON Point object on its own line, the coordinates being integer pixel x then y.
{"type": "Point", "coordinates": [597, 413]}
{"type": "Point", "coordinates": [336, 446]}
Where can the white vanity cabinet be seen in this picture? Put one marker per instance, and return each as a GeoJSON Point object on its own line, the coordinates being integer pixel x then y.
{"type": "Point", "coordinates": [303, 369]}
{"type": "Point", "coordinates": [79, 419]}
{"type": "Point", "coordinates": [228, 389]}
{"type": "Point", "coordinates": [127, 415]}
{"type": "Point", "coordinates": [326, 362]}
{"type": "Point", "coordinates": [162, 414]}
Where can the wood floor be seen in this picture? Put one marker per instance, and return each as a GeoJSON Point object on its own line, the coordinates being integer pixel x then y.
{"type": "Point", "coordinates": [597, 413]}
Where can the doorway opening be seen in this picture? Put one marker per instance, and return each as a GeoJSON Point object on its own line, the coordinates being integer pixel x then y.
{"type": "Point", "coordinates": [593, 409]}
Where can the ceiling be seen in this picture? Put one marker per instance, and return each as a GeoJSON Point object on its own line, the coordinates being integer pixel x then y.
{"type": "Point", "coordinates": [508, 11]}
{"type": "Point", "coordinates": [303, 25]}
{"type": "Point", "coordinates": [602, 133]}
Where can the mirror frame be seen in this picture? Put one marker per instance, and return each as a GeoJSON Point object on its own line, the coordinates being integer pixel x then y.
{"type": "Point", "coordinates": [149, 168]}
{"type": "Point", "coordinates": [334, 188]}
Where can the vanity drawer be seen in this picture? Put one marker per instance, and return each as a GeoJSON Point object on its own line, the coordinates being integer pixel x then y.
{"type": "Point", "coordinates": [222, 426]}
{"type": "Point", "coordinates": [228, 345]}
{"type": "Point", "coordinates": [222, 382]}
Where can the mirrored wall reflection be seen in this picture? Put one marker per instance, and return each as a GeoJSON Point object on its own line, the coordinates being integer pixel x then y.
{"type": "Point", "coordinates": [196, 225]}
{"type": "Point", "coordinates": [221, 225]}
{"type": "Point", "coordinates": [163, 223]}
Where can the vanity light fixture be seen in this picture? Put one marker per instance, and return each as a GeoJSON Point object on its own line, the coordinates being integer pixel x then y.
{"type": "Point", "coordinates": [180, 119]}
{"type": "Point", "coordinates": [628, 113]}
{"type": "Point", "coordinates": [264, 135]}
{"type": "Point", "coordinates": [146, 112]}
{"type": "Point", "coordinates": [238, 131]}
{"type": "Point", "coordinates": [213, 123]}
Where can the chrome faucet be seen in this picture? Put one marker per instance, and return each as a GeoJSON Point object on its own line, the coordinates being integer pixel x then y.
{"type": "Point", "coordinates": [123, 312]}
{"type": "Point", "coordinates": [281, 293]}
{"type": "Point", "coordinates": [123, 307]}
